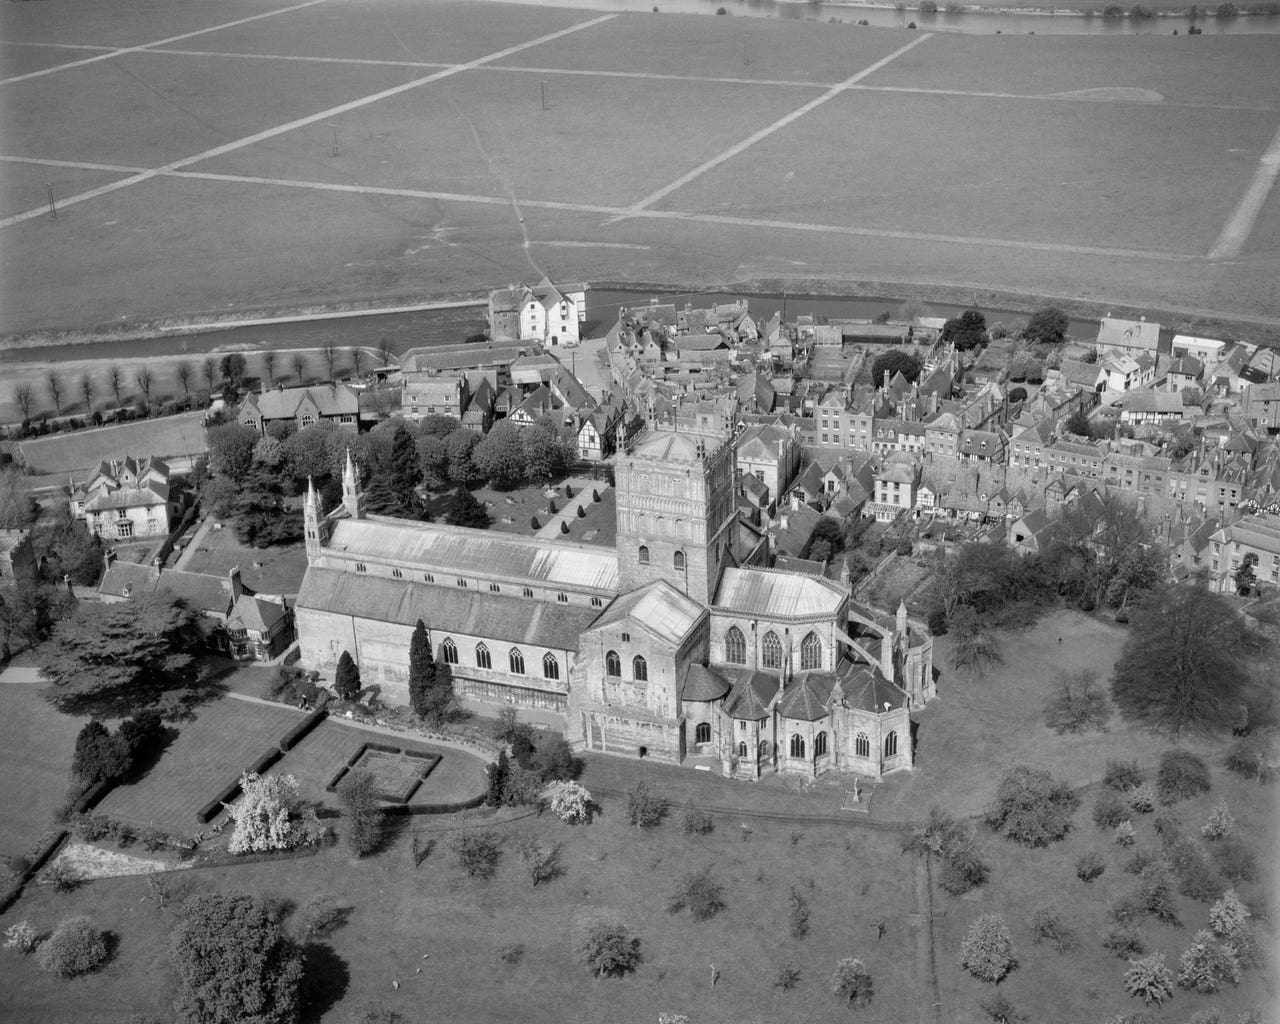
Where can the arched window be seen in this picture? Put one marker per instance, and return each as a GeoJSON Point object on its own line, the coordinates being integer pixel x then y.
{"type": "Point", "coordinates": [482, 657]}
{"type": "Point", "coordinates": [862, 745]}
{"type": "Point", "coordinates": [612, 664]}
{"type": "Point", "coordinates": [639, 669]}
{"type": "Point", "coordinates": [742, 751]}
{"type": "Point", "coordinates": [771, 651]}
{"type": "Point", "coordinates": [449, 651]}
{"type": "Point", "coordinates": [678, 559]}
{"type": "Point", "coordinates": [820, 744]}
{"type": "Point", "coordinates": [550, 667]}
{"type": "Point", "coordinates": [702, 734]}
{"type": "Point", "coordinates": [811, 652]}
{"type": "Point", "coordinates": [644, 555]}
{"type": "Point", "coordinates": [763, 749]}
{"type": "Point", "coordinates": [735, 647]}
{"type": "Point", "coordinates": [517, 661]}
{"type": "Point", "coordinates": [891, 744]}
{"type": "Point", "coordinates": [797, 745]}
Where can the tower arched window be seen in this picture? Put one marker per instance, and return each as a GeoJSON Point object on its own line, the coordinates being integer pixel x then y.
{"type": "Point", "coordinates": [735, 647]}
{"type": "Point", "coordinates": [811, 652]}
{"type": "Point", "coordinates": [516, 658]}
{"type": "Point", "coordinates": [449, 651]}
{"type": "Point", "coordinates": [797, 745]}
{"type": "Point", "coordinates": [612, 664]}
{"type": "Point", "coordinates": [862, 745]}
{"type": "Point", "coordinates": [820, 744]}
{"type": "Point", "coordinates": [742, 751]}
{"type": "Point", "coordinates": [643, 555]}
{"type": "Point", "coordinates": [891, 744]}
{"type": "Point", "coordinates": [702, 734]}
{"type": "Point", "coordinates": [639, 669]}
{"type": "Point", "coordinates": [550, 667]}
{"type": "Point", "coordinates": [678, 559]}
{"type": "Point", "coordinates": [483, 660]}
{"type": "Point", "coordinates": [771, 651]}
{"type": "Point", "coordinates": [763, 751]}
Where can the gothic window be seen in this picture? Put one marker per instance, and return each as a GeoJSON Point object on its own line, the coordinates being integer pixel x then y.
{"type": "Point", "coordinates": [763, 751]}
{"type": "Point", "coordinates": [862, 745]}
{"type": "Point", "coordinates": [797, 745]}
{"type": "Point", "coordinates": [771, 651]}
{"type": "Point", "coordinates": [596, 602]}
{"type": "Point", "coordinates": [644, 555]}
{"type": "Point", "coordinates": [742, 751]}
{"type": "Point", "coordinates": [891, 744]}
{"type": "Point", "coordinates": [449, 651]}
{"type": "Point", "coordinates": [679, 560]}
{"type": "Point", "coordinates": [735, 647]}
{"type": "Point", "coordinates": [550, 667]}
{"type": "Point", "coordinates": [820, 744]}
{"type": "Point", "coordinates": [639, 669]}
{"type": "Point", "coordinates": [517, 661]}
{"type": "Point", "coordinates": [360, 567]}
{"type": "Point", "coordinates": [612, 664]}
{"type": "Point", "coordinates": [482, 657]}
{"type": "Point", "coordinates": [528, 592]}
{"type": "Point", "coordinates": [494, 588]}
{"type": "Point", "coordinates": [562, 598]}
{"type": "Point", "coordinates": [811, 652]}
{"type": "Point", "coordinates": [702, 734]}
{"type": "Point", "coordinates": [397, 574]}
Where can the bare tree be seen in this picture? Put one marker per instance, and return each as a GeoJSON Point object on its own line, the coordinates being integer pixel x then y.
{"type": "Point", "coordinates": [87, 390]}
{"type": "Point", "coordinates": [23, 395]}
{"type": "Point", "coordinates": [299, 363]}
{"type": "Point", "coordinates": [384, 351]}
{"type": "Point", "coordinates": [330, 353]}
{"type": "Point", "coordinates": [269, 358]}
{"type": "Point", "coordinates": [115, 379]}
{"type": "Point", "coordinates": [357, 357]}
{"type": "Point", "coordinates": [145, 381]}
{"type": "Point", "coordinates": [184, 372]}
{"type": "Point", "coordinates": [209, 371]}
{"type": "Point", "coordinates": [54, 383]}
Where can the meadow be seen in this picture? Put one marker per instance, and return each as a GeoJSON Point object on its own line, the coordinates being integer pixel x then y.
{"type": "Point", "coordinates": [166, 436]}
{"type": "Point", "coordinates": [253, 157]}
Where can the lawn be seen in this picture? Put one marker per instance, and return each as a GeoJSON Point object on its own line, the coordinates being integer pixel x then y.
{"type": "Point", "coordinates": [36, 744]}
{"type": "Point", "coordinates": [75, 452]}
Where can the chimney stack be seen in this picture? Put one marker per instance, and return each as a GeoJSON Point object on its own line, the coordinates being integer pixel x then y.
{"type": "Point", "coordinates": [237, 586]}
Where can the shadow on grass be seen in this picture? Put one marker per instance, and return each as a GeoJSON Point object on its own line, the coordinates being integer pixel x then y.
{"type": "Point", "coordinates": [325, 982]}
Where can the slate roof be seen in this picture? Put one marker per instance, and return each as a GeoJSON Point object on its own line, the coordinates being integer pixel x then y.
{"type": "Point", "coordinates": [335, 400]}
{"type": "Point", "coordinates": [807, 696]}
{"type": "Point", "coordinates": [255, 613]}
{"type": "Point", "coordinates": [201, 591]}
{"type": "Point", "coordinates": [767, 594]}
{"type": "Point", "coordinates": [751, 694]}
{"type": "Point", "coordinates": [1140, 334]}
{"type": "Point", "coordinates": [657, 606]}
{"type": "Point", "coordinates": [461, 357]}
{"type": "Point", "coordinates": [129, 497]}
{"type": "Point", "coordinates": [703, 684]}
{"type": "Point", "coordinates": [867, 689]}
{"type": "Point", "coordinates": [445, 609]}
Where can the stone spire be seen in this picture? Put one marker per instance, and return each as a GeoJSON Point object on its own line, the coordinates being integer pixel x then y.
{"type": "Point", "coordinates": [311, 520]}
{"type": "Point", "coordinates": [352, 496]}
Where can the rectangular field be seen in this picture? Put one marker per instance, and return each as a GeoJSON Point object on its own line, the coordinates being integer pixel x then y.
{"type": "Point", "coordinates": [36, 743]}
{"type": "Point", "coordinates": [166, 436]}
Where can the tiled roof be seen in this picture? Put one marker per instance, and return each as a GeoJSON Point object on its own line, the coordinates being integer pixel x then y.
{"type": "Point", "coordinates": [201, 591]}
{"type": "Point", "coordinates": [767, 594]}
{"type": "Point", "coordinates": [807, 696]}
{"type": "Point", "coordinates": [255, 613]}
{"type": "Point", "coordinates": [445, 609]}
{"type": "Point", "coordinates": [703, 684]}
{"type": "Point", "coordinates": [752, 691]}
{"type": "Point", "coordinates": [335, 400]}
{"type": "Point", "coordinates": [129, 497]}
{"type": "Point", "coordinates": [657, 606]}
{"type": "Point", "coordinates": [867, 689]}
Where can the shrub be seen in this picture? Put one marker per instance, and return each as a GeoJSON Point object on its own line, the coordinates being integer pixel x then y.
{"type": "Point", "coordinates": [541, 861]}
{"type": "Point", "coordinates": [1157, 897]}
{"type": "Point", "coordinates": [1196, 878]}
{"type": "Point", "coordinates": [962, 871]}
{"type": "Point", "coordinates": [554, 760]}
{"type": "Point", "coordinates": [1123, 775]}
{"type": "Point", "coordinates": [21, 936]}
{"type": "Point", "coordinates": [1125, 941]}
{"type": "Point", "coordinates": [787, 978]}
{"type": "Point", "coordinates": [937, 622]}
{"type": "Point", "coordinates": [1031, 807]}
{"type": "Point", "coordinates": [99, 756]}
{"type": "Point", "coordinates": [265, 814]}
{"type": "Point", "coordinates": [569, 801]}
{"type": "Point", "coordinates": [1220, 822]}
{"type": "Point", "coordinates": [477, 853]}
{"type": "Point", "coordinates": [987, 950]}
{"type": "Point", "coordinates": [696, 822]}
{"type": "Point", "coordinates": [1254, 756]}
{"type": "Point", "coordinates": [1078, 704]}
{"type": "Point", "coordinates": [76, 947]}
{"type": "Point", "coordinates": [1143, 799]}
{"type": "Point", "coordinates": [346, 680]}
{"type": "Point", "coordinates": [63, 877]}
{"type": "Point", "coordinates": [93, 827]}
{"type": "Point", "coordinates": [497, 773]}
{"type": "Point", "coordinates": [799, 916]}
{"type": "Point", "coordinates": [1181, 775]}
{"type": "Point", "coordinates": [364, 815]}
{"type": "Point", "coordinates": [701, 893]}
{"type": "Point", "coordinates": [1000, 1009]}
{"type": "Point", "coordinates": [511, 955]}
{"type": "Point", "coordinates": [1234, 860]}
{"type": "Point", "coordinates": [1248, 950]}
{"type": "Point", "coordinates": [1207, 964]}
{"type": "Point", "coordinates": [1089, 866]}
{"type": "Point", "coordinates": [607, 948]}
{"type": "Point", "coordinates": [645, 809]}
{"type": "Point", "coordinates": [1140, 861]}
{"type": "Point", "coordinates": [1227, 914]}
{"type": "Point", "coordinates": [1046, 926]}
{"type": "Point", "coordinates": [1148, 979]}
{"type": "Point", "coordinates": [523, 787]}
{"type": "Point", "coordinates": [852, 981]}
{"type": "Point", "coordinates": [1124, 834]}
{"type": "Point", "coordinates": [928, 6]}
{"type": "Point", "coordinates": [1109, 810]}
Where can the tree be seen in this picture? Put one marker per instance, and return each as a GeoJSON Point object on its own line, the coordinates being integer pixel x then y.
{"type": "Point", "coordinates": [1078, 704]}
{"type": "Point", "coordinates": [422, 671]}
{"type": "Point", "coordinates": [115, 381]}
{"type": "Point", "coordinates": [346, 680]}
{"type": "Point", "coordinates": [1047, 326]}
{"type": "Point", "coordinates": [329, 352]}
{"type": "Point", "coordinates": [99, 756]}
{"type": "Point", "coordinates": [1244, 578]}
{"type": "Point", "coordinates": [141, 735]}
{"type": "Point", "coordinates": [53, 381]}
{"type": "Point", "coordinates": [403, 470]}
{"type": "Point", "coordinates": [209, 371]}
{"type": "Point", "coordinates": [1185, 663]}
{"type": "Point", "coordinates": [357, 357]}
{"type": "Point", "coordinates": [544, 451]}
{"type": "Point", "coordinates": [462, 444]}
{"type": "Point", "coordinates": [607, 947]}
{"type": "Point", "coordinates": [893, 362]}
{"type": "Point", "coordinates": [436, 425]}
{"type": "Point", "coordinates": [268, 815]}
{"type": "Point", "coordinates": [112, 658]}
{"type": "Point", "coordinates": [262, 519]}
{"type": "Point", "coordinates": [18, 506]}
{"type": "Point", "coordinates": [987, 950]}
{"type": "Point", "coordinates": [76, 947]}
{"type": "Point", "coordinates": [232, 367]}
{"type": "Point", "coordinates": [185, 372]}
{"type": "Point", "coordinates": [463, 509]}
{"type": "Point", "coordinates": [234, 962]}
{"type": "Point", "coordinates": [269, 358]}
{"type": "Point", "coordinates": [972, 645]}
{"type": "Point", "coordinates": [145, 381]}
{"type": "Point", "coordinates": [385, 351]}
{"type": "Point", "coordinates": [1078, 423]}
{"type": "Point", "coordinates": [645, 809]}
{"type": "Point", "coordinates": [498, 772]}
{"type": "Point", "coordinates": [299, 363]}
{"type": "Point", "coordinates": [569, 801]}
{"type": "Point", "coordinates": [851, 981]}
{"type": "Point", "coordinates": [1207, 963]}
{"type": "Point", "coordinates": [477, 853]}
{"type": "Point", "coordinates": [966, 331]}
{"type": "Point", "coordinates": [1031, 807]}
{"type": "Point", "coordinates": [359, 795]}
{"type": "Point", "coordinates": [1149, 979]}
{"type": "Point", "coordinates": [540, 860]}
{"type": "Point", "coordinates": [700, 892]}
{"type": "Point", "coordinates": [231, 449]}
{"type": "Point", "coordinates": [23, 395]}
{"type": "Point", "coordinates": [87, 390]}
{"type": "Point", "coordinates": [500, 457]}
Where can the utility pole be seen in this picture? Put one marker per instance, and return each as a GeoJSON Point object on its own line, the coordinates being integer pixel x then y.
{"type": "Point", "coordinates": [53, 209]}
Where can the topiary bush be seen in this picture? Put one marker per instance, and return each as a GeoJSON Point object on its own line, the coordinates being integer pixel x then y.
{"type": "Point", "coordinates": [76, 947]}
{"type": "Point", "coordinates": [1181, 775]}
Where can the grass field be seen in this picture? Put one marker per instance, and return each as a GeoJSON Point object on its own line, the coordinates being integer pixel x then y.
{"type": "Point", "coordinates": [165, 436]}
{"type": "Point", "coordinates": [670, 148]}
{"type": "Point", "coordinates": [35, 764]}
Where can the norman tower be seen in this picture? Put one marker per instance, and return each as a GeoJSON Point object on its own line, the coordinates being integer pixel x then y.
{"type": "Point", "coordinates": [675, 511]}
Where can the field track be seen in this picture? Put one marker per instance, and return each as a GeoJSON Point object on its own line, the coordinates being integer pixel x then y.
{"type": "Point", "coordinates": [255, 154]}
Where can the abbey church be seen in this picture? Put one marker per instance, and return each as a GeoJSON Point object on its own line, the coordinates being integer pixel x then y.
{"type": "Point", "coordinates": [679, 644]}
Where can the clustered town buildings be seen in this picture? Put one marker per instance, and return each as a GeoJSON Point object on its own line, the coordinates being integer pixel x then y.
{"type": "Point", "coordinates": [704, 634]}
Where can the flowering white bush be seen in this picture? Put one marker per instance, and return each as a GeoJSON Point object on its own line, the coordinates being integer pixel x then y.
{"type": "Point", "coordinates": [263, 813]}
{"type": "Point", "coordinates": [1149, 979]}
{"type": "Point", "coordinates": [1124, 833]}
{"type": "Point", "coordinates": [1227, 914]}
{"type": "Point", "coordinates": [1206, 965]}
{"type": "Point", "coordinates": [569, 801]}
{"type": "Point", "coordinates": [987, 949]}
{"type": "Point", "coordinates": [1220, 822]}
{"type": "Point", "coordinates": [1143, 799]}
{"type": "Point", "coordinates": [21, 936]}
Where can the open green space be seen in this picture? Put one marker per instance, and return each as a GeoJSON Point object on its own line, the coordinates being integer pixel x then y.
{"type": "Point", "coordinates": [164, 436]}
{"type": "Point", "coordinates": [35, 764]}
{"type": "Point", "coordinates": [25, 186]}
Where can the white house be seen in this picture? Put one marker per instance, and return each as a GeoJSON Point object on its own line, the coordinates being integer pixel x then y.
{"type": "Point", "coordinates": [128, 498]}
{"type": "Point", "coordinates": [551, 315]}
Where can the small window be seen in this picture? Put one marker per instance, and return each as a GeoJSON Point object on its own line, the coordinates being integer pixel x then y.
{"type": "Point", "coordinates": [397, 574]}
{"type": "Point", "coordinates": [639, 669]}
{"type": "Point", "coordinates": [428, 577]}
{"type": "Point", "coordinates": [891, 744]}
{"type": "Point", "coordinates": [562, 598]}
{"type": "Point", "coordinates": [462, 583]}
{"type": "Point", "coordinates": [516, 660]}
{"type": "Point", "coordinates": [643, 555]}
{"type": "Point", "coordinates": [862, 745]}
{"type": "Point", "coordinates": [528, 592]}
{"type": "Point", "coordinates": [483, 660]}
{"type": "Point", "coordinates": [494, 588]}
{"type": "Point", "coordinates": [702, 734]}
{"type": "Point", "coordinates": [449, 651]}
{"type": "Point", "coordinates": [550, 666]}
{"type": "Point", "coordinates": [626, 638]}
{"type": "Point", "coordinates": [678, 559]}
{"type": "Point", "coordinates": [612, 664]}
{"type": "Point", "coordinates": [361, 567]}
{"type": "Point", "coordinates": [596, 603]}
{"type": "Point", "coordinates": [742, 727]}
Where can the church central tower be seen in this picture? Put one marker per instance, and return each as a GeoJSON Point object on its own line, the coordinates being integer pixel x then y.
{"type": "Point", "coordinates": [675, 511]}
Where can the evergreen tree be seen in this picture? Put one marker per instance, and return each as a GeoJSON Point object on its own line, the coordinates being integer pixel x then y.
{"type": "Point", "coordinates": [404, 471]}
{"type": "Point", "coordinates": [99, 756]}
{"type": "Point", "coordinates": [463, 509]}
{"type": "Point", "coordinates": [422, 671]}
{"type": "Point", "coordinates": [346, 680]}
{"type": "Point", "coordinates": [498, 771]}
